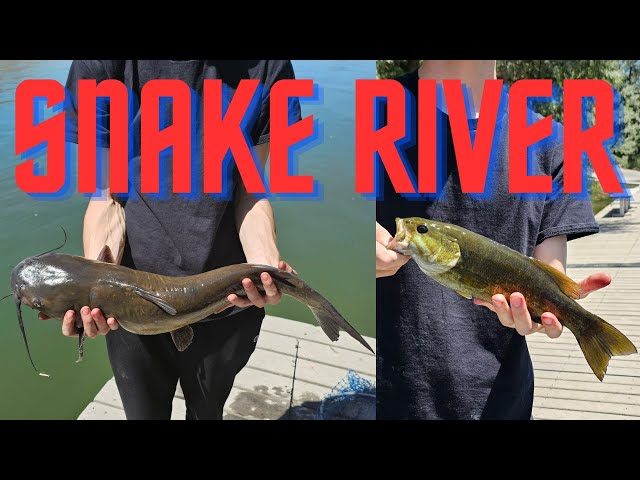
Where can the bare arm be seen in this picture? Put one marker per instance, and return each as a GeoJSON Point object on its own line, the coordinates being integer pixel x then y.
{"type": "Point", "coordinates": [257, 231]}
{"type": "Point", "coordinates": [255, 221]}
{"type": "Point", "coordinates": [104, 222]}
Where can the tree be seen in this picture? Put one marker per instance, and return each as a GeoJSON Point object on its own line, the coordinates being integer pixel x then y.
{"type": "Point", "coordinates": [558, 71]}
{"type": "Point", "coordinates": [628, 152]}
{"type": "Point", "coordinates": [624, 75]}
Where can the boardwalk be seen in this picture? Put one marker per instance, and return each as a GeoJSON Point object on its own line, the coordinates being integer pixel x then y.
{"type": "Point", "coordinates": [565, 386]}
{"type": "Point", "coordinates": [263, 389]}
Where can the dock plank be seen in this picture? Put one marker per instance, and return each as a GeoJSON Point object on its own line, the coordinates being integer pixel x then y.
{"type": "Point", "coordinates": [565, 387]}
{"type": "Point", "coordinates": [262, 390]}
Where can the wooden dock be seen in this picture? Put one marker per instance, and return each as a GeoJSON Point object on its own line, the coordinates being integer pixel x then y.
{"type": "Point", "coordinates": [262, 390]}
{"type": "Point", "coordinates": [565, 387]}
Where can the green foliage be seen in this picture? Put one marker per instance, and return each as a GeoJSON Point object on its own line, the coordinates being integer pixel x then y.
{"type": "Point", "coordinates": [624, 75]}
{"type": "Point", "coordinates": [628, 152]}
{"type": "Point", "coordinates": [558, 71]}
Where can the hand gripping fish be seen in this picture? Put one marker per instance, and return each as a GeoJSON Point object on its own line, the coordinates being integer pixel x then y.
{"type": "Point", "coordinates": [475, 266]}
{"type": "Point", "coordinates": [149, 304]}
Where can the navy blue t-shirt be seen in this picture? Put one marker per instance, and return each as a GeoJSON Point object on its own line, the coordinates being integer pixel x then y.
{"type": "Point", "coordinates": [177, 235]}
{"type": "Point", "coordinates": [439, 355]}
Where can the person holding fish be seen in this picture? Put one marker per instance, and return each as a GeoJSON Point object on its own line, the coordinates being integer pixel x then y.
{"type": "Point", "coordinates": [178, 236]}
{"type": "Point", "coordinates": [441, 356]}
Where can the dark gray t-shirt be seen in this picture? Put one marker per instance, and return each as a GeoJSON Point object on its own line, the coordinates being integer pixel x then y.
{"type": "Point", "coordinates": [177, 235]}
{"type": "Point", "coordinates": [439, 355]}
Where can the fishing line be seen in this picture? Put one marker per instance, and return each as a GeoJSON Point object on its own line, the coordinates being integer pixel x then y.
{"type": "Point", "coordinates": [293, 380]}
{"type": "Point", "coordinates": [57, 248]}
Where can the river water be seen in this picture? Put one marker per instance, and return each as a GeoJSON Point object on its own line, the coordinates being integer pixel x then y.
{"type": "Point", "coordinates": [329, 242]}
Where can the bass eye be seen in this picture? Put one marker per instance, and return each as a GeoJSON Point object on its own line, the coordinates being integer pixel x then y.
{"type": "Point", "coordinates": [422, 229]}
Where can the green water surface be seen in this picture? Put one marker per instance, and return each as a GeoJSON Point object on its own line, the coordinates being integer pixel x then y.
{"type": "Point", "coordinates": [327, 241]}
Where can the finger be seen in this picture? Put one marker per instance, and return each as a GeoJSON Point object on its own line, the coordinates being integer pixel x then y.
{"type": "Point", "coordinates": [382, 234]}
{"type": "Point", "coordinates": [253, 294]}
{"type": "Point", "coordinates": [388, 259]}
{"type": "Point", "coordinates": [594, 282]}
{"type": "Point", "coordinates": [520, 314]}
{"type": "Point", "coordinates": [551, 324]}
{"type": "Point", "coordinates": [282, 265]}
{"type": "Point", "coordinates": [69, 324]}
{"type": "Point", "coordinates": [100, 321]}
{"type": "Point", "coordinates": [90, 328]}
{"type": "Point", "coordinates": [113, 324]}
{"type": "Point", "coordinates": [482, 303]}
{"type": "Point", "coordinates": [502, 309]}
{"type": "Point", "coordinates": [42, 316]}
{"type": "Point", "coordinates": [270, 289]}
{"type": "Point", "coordinates": [238, 301]}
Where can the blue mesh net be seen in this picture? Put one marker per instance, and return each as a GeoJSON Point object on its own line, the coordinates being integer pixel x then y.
{"type": "Point", "coordinates": [353, 397]}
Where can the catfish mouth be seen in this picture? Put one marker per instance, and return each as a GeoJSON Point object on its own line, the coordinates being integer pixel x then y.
{"type": "Point", "coordinates": [400, 243]}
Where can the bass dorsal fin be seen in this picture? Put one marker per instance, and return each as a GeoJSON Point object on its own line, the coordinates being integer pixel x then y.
{"type": "Point", "coordinates": [106, 255]}
{"type": "Point", "coordinates": [568, 286]}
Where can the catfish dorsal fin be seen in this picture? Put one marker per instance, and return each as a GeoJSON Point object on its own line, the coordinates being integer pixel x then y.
{"type": "Point", "coordinates": [106, 255]}
{"type": "Point", "coordinates": [568, 286]}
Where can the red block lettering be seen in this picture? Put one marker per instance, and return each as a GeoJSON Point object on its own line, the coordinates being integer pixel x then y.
{"type": "Point", "coordinates": [118, 134]}
{"type": "Point", "coordinates": [381, 141]}
{"type": "Point", "coordinates": [50, 131]}
{"type": "Point", "coordinates": [427, 133]}
{"type": "Point", "coordinates": [522, 136]}
{"type": "Point", "coordinates": [283, 136]}
{"type": "Point", "coordinates": [577, 141]}
{"type": "Point", "coordinates": [177, 135]}
{"type": "Point", "coordinates": [473, 161]}
{"type": "Point", "coordinates": [224, 134]}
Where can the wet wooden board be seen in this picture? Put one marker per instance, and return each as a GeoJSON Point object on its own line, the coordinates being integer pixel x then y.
{"type": "Point", "coordinates": [262, 390]}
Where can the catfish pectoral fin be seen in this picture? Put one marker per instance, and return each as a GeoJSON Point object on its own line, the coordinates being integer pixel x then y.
{"type": "Point", "coordinates": [155, 300]}
{"type": "Point", "coordinates": [182, 338]}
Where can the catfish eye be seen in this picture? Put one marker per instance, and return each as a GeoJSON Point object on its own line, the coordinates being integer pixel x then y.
{"type": "Point", "coordinates": [37, 304]}
{"type": "Point", "coordinates": [422, 229]}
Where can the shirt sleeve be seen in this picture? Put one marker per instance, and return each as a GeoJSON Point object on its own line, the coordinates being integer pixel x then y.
{"type": "Point", "coordinates": [564, 214]}
{"type": "Point", "coordinates": [275, 70]}
{"type": "Point", "coordinates": [97, 70]}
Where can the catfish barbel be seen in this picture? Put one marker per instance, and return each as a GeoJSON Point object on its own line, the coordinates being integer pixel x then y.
{"type": "Point", "coordinates": [150, 304]}
{"type": "Point", "coordinates": [477, 267]}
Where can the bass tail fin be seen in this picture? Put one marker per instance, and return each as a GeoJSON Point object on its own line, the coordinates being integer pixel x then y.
{"type": "Point", "coordinates": [600, 341]}
{"type": "Point", "coordinates": [332, 322]}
